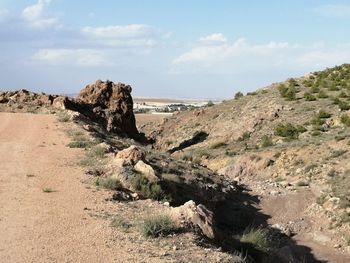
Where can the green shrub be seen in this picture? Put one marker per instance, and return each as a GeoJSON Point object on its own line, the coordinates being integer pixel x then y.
{"type": "Point", "coordinates": [63, 117]}
{"type": "Point", "coordinates": [345, 119]}
{"type": "Point", "coordinates": [266, 141]}
{"type": "Point", "coordinates": [118, 222]}
{"type": "Point", "coordinates": [322, 94]}
{"type": "Point", "coordinates": [99, 151]}
{"type": "Point", "coordinates": [288, 93]}
{"type": "Point", "coordinates": [244, 137]}
{"type": "Point", "coordinates": [252, 93]}
{"type": "Point", "coordinates": [110, 183]}
{"type": "Point", "coordinates": [323, 114]}
{"type": "Point", "coordinates": [157, 226]}
{"type": "Point", "coordinates": [210, 104]}
{"type": "Point", "coordinates": [257, 238]}
{"type": "Point", "coordinates": [315, 89]}
{"type": "Point", "coordinates": [287, 131]}
{"type": "Point", "coordinates": [238, 95]}
{"type": "Point", "coordinates": [343, 95]}
{"type": "Point", "coordinates": [344, 105]}
{"type": "Point", "coordinates": [148, 189]}
{"type": "Point", "coordinates": [309, 97]}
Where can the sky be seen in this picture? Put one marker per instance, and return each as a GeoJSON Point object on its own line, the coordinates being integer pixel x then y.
{"type": "Point", "coordinates": [168, 48]}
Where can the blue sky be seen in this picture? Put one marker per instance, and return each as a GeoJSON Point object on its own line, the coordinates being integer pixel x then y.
{"type": "Point", "coordinates": [168, 48]}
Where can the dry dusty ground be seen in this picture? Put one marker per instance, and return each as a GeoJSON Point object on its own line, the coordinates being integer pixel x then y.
{"type": "Point", "coordinates": [142, 118]}
{"type": "Point", "coordinates": [72, 223]}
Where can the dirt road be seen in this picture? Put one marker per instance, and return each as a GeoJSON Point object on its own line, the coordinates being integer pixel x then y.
{"type": "Point", "coordinates": [36, 226]}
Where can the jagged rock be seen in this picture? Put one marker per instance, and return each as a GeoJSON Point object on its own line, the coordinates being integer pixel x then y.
{"type": "Point", "coordinates": [60, 103]}
{"type": "Point", "coordinates": [146, 170]}
{"type": "Point", "coordinates": [196, 215]}
{"type": "Point", "coordinates": [112, 103]}
{"type": "Point", "coordinates": [131, 155]}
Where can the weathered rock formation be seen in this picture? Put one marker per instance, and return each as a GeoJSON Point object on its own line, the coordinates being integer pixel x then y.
{"type": "Point", "coordinates": [112, 104]}
{"type": "Point", "coordinates": [104, 102]}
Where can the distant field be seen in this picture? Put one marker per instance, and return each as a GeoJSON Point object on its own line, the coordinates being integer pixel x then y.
{"type": "Point", "coordinates": [142, 118]}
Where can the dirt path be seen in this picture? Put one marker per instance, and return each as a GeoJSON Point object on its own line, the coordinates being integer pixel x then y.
{"type": "Point", "coordinates": [310, 227]}
{"type": "Point", "coordinates": [45, 227]}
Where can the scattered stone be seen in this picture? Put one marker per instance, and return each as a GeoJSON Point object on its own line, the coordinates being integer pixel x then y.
{"type": "Point", "coordinates": [132, 155]}
{"type": "Point", "coordinates": [146, 170]}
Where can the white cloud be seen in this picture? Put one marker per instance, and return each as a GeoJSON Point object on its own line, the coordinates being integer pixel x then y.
{"type": "Point", "coordinates": [334, 10]}
{"type": "Point", "coordinates": [229, 57]}
{"type": "Point", "coordinates": [79, 57]}
{"type": "Point", "coordinates": [213, 38]}
{"type": "Point", "coordinates": [36, 17]}
{"type": "Point", "coordinates": [120, 32]}
{"type": "Point", "coordinates": [223, 50]}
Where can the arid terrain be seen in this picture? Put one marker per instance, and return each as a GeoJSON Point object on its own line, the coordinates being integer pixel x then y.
{"type": "Point", "coordinates": [260, 178]}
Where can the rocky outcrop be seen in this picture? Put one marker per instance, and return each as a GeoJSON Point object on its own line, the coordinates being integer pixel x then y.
{"type": "Point", "coordinates": [111, 104]}
{"type": "Point", "coordinates": [26, 97]}
{"type": "Point", "coordinates": [131, 155]}
{"type": "Point", "coordinates": [103, 102]}
{"type": "Point", "coordinates": [190, 214]}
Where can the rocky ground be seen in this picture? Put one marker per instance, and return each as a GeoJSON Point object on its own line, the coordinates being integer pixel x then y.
{"type": "Point", "coordinates": [261, 178]}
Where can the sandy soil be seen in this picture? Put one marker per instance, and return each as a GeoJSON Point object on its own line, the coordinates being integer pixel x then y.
{"type": "Point", "coordinates": [38, 226]}
{"type": "Point", "coordinates": [72, 223]}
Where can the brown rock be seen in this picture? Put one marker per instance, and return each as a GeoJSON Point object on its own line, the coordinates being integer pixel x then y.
{"type": "Point", "coordinates": [190, 214]}
{"type": "Point", "coordinates": [132, 155]}
{"type": "Point", "coordinates": [113, 103]}
{"type": "Point", "coordinates": [146, 170]}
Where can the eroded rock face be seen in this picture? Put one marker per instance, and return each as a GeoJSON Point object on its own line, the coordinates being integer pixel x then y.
{"type": "Point", "coordinates": [112, 103]}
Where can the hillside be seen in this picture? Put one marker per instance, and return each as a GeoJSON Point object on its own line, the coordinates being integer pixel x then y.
{"type": "Point", "coordinates": [260, 178]}
{"type": "Point", "coordinates": [289, 137]}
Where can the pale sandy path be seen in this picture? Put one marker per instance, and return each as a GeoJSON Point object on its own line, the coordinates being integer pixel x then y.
{"type": "Point", "coordinates": [46, 227]}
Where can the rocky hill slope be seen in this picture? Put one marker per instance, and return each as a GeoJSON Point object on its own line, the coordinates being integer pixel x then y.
{"type": "Point", "coordinates": [293, 134]}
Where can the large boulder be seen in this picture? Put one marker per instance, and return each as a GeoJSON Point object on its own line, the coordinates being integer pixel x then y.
{"type": "Point", "coordinates": [131, 155]}
{"type": "Point", "coordinates": [190, 214]}
{"type": "Point", "coordinates": [112, 104]}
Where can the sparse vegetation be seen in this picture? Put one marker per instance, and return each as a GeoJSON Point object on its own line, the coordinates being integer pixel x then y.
{"type": "Point", "coordinates": [238, 95]}
{"type": "Point", "coordinates": [256, 238]}
{"type": "Point", "coordinates": [47, 190]}
{"type": "Point", "coordinates": [120, 223]}
{"type": "Point", "coordinates": [309, 97]}
{"type": "Point", "coordinates": [110, 183]}
{"type": "Point", "coordinates": [148, 189]}
{"type": "Point", "coordinates": [244, 137]}
{"type": "Point", "coordinates": [157, 226]}
{"type": "Point", "coordinates": [345, 119]}
{"type": "Point", "coordinates": [288, 131]}
{"type": "Point", "coordinates": [266, 141]}
{"type": "Point", "coordinates": [287, 92]}
{"type": "Point", "coordinates": [63, 116]}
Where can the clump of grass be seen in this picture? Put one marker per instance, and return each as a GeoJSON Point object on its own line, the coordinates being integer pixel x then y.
{"type": "Point", "coordinates": [120, 223]}
{"type": "Point", "coordinates": [343, 105]}
{"type": "Point", "coordinates": [63, 117]}
{"type": "Point", "coordinates": [99, 151]}
{"type": "Point", "coordinates": [48, 190]}
{"type": "Point", "coordinates": [148, 189]}
{"type": "Point", "coordinates": [79, 140]}
{"type": "Point", "coordinates": [309, 97]}
{"type": "Point", "coordinates": [157, 226]}
{"type": "Point", "coordinates": [345, 119]}
{"type": "Point", "coordinates": [321, 199]}
{"type": "Point", "coordinates": [338, 153]}
{"type": "Point", "coordinates": [256, 238]}
{"type": "Point", "coordinates": [322, 94]}
{"type": "Point", "coordinates": [110, 183]}
{"type": "Point", "coordinates": [244, 137]}
{"type": "Point", "coordinates": [302, 183]}
{"type": "Point", "coordinates": [266, 141]}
